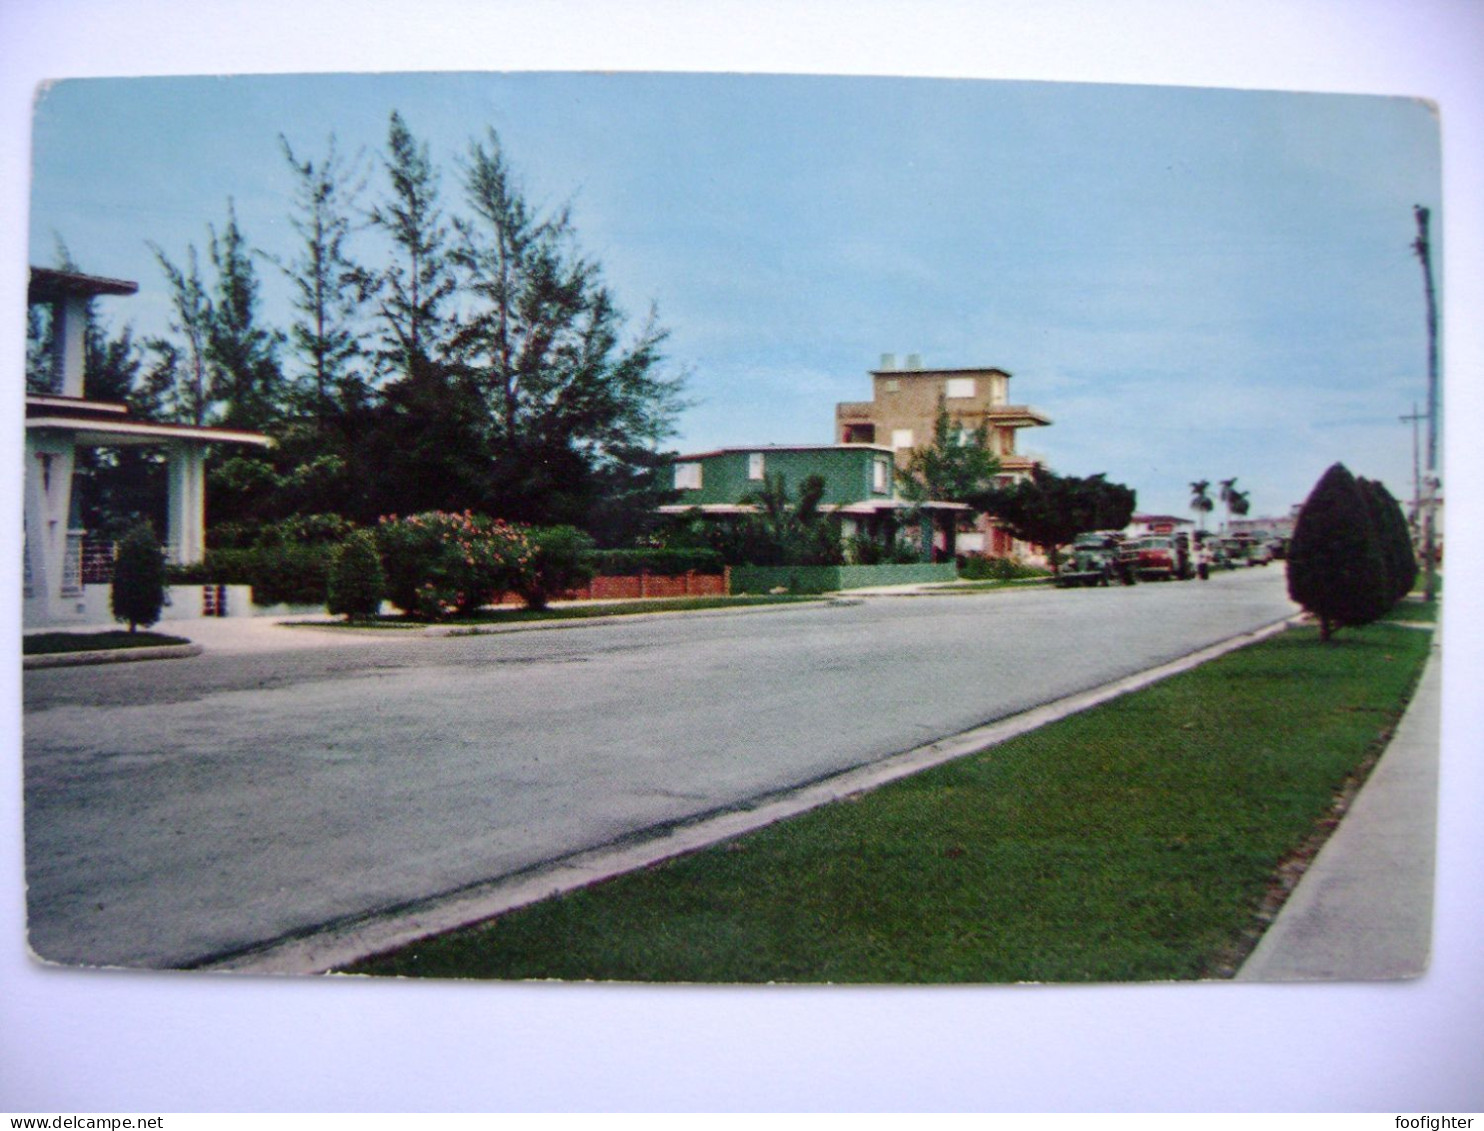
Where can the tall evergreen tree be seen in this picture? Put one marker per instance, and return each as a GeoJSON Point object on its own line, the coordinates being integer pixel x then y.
{"type": "Point", "coordinates": [1336, 569]}
{"type": "Point", "coordinates": [183, 373]}
{"type": "Point", "coordinates": [242, 351]}
{"type": "Point", "coordinates": [576, 406]}
{"type": "Point", "coordinates": [418, 282]}
{"type": "Point", "coordinates": [329, 288]}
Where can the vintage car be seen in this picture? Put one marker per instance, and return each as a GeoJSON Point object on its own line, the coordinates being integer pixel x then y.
{"type": "Point", "coordinates": [1161, 557]}
{"type": "Point", "coordinates": [1097, 558]}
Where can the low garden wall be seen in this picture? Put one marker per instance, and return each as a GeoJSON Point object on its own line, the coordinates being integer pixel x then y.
{"type": "Point", "coordinates": [182, 602]}
{"type": "Point", "coordinates": [831, 579]}
{"type": "Point", "coordinates": [641, 586]}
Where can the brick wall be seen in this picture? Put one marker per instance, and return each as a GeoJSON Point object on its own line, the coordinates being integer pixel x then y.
{"type": "Point", "coordinates": [644, 586]}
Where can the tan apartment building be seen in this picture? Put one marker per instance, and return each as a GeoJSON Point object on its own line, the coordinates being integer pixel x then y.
{"type": "Point", "coordinates": [903, 410]}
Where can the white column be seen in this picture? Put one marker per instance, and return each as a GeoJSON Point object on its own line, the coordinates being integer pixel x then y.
{"type": "Point", "coordinates": [186, 539]}
{"type": "Point", "coordinates": [49, 463]}
{"type": "Point", "coordinates": [69, 345]}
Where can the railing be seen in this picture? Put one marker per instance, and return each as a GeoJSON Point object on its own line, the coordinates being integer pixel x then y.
{"type": "Point", "coordinates": [72, 565]}
{"type": "Point", "coordinates": [97, 561]}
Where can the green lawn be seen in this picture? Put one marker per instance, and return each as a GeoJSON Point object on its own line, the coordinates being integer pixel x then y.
{"type": "Point", "coordinates": [1134, 841]}
{"type": "Point", "coordinates": [1417, 612]}
{"type": "Point", "coordinates": [50, 643]}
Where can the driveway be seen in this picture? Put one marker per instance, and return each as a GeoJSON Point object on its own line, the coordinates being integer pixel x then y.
{"type": "Point", "coordinates": [183, 810]}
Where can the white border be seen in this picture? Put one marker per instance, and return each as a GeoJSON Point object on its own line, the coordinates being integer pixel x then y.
{"type": "Point", "coordinates": [117, 1042]}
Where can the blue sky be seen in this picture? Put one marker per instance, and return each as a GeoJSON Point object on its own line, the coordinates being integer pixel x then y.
{"type": "Point", "coordinates": [1192, 283]}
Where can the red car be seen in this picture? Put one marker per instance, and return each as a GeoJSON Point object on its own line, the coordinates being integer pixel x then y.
{"type": "Point", "coordinates": [1161, 557]}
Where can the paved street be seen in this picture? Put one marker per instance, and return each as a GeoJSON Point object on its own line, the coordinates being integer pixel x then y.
{"type": "Point", "coordinates": [185, 809]}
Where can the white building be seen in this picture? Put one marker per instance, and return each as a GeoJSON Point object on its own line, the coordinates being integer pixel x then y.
{"type": "Point", "coordinates": [62, 420]}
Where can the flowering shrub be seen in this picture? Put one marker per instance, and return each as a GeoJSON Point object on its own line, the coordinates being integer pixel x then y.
{"type": "Point", "coordinates": [438, 563]}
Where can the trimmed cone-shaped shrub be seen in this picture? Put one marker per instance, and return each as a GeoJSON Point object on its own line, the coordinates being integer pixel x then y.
{"type": "Point", "coordinates": [1336, 568]}
{"type": "Point", "coordinates": [138, 591]}
{"type": "Point", "coordinates": [1396, 540]}
{"type": "Point", "coordinates": [357, 582]}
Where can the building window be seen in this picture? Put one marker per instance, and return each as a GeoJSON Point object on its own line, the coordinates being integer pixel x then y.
{"type": "Point", "coordinates": [901, 438]}
{"type": "Point", "coordinates": [881, 476]}
{"type": "Point", "coordinates": [959, 387]}
{"type": "Point", "coordinates": [891, 385]}
{"type": "Point", "coordinates": [754, 465]}
{"type": "Point", "coordinates": [687, 477]}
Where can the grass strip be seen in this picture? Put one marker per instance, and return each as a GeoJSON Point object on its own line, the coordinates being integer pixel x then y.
{"type": "Point", "coordinates": [1135, 841]}
{"type": "Point", "coordinates": [52, 643]}
{"type": "Point", "coordinates": [1414, 612]}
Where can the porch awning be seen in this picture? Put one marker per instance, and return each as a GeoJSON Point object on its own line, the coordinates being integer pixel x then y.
{"type": "Point", "coordinates": [100, 431]}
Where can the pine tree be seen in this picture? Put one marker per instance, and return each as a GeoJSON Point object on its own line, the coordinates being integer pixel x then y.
{"type": "Point", "coordinates": [576, 406]}
{"type": "Point", "coordinates": [1336, 568]}
{"type": "Point", "coordinates": [184, 376]}
{"type": "Point", "coordinates": [242, 352]}
{"type": "Point", "coordinates": [329, 287]}
{"type": "Point", "coordinates": [415, 285]}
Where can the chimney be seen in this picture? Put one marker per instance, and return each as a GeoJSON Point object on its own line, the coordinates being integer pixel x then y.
{"type": "Point", "coordinates": [888, 362]}
{"type": "Point", "coordinates": [914, 361]}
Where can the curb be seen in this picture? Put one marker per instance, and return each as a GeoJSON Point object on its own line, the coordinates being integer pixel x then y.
{"type": "Point", "coordinates": [622, 618]}
{"type": "Point", "coordinates": [320, 950]}
{"type": "Point", "coordinates": [111, 656]}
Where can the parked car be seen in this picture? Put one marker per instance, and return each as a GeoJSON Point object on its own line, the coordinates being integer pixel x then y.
{"type": "Point", "coordinates": [1162, 557]}
{"type": "Point", "coordinates": [1245, 549]}
{"type": "Point", "coordinates": [1096, 558]}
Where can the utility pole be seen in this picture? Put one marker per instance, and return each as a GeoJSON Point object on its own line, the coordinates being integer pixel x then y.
{"type": "Point", "coordinates": [1424, 253]}
{"type": "Point", "coordinates": [1416, 466]}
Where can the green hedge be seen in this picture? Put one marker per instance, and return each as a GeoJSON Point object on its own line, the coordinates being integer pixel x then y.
{"type": "Point", "coordinates": [997, 569]}
{"type": "Point", "coordinates": [286, 574]}
{"type": "Point", "coordinates": [830, 579]}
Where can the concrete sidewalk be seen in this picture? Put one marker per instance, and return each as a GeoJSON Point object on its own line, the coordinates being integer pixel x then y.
{"type": "Point", "coordinates": [1363, 910]}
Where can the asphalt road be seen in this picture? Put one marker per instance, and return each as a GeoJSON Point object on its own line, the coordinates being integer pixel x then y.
{"type": "Point", "coordinates": [183, 810]}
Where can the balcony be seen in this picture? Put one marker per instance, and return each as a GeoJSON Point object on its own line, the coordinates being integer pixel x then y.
{"type": "Point", "coordinates": [1016, 416]}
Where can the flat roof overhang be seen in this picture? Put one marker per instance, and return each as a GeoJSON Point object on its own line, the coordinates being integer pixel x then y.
{"type": "Point", "coordinates": [764, 449]}
{"type": "Point", "coordinates": [48, 285]}
{"type": "Point", "coordinates": [101, 432]}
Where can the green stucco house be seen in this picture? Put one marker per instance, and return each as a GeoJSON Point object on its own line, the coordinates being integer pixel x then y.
{"type": "Point", "coordinates": [860, 487]}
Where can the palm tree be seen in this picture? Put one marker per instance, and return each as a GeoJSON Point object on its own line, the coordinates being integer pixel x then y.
{"type": "Point", "coordinates": [1228, 489]}
{"type": "Point", "coordinates": [1237, 504]}
{"type": "Point", "coordinates": [1200, 502]}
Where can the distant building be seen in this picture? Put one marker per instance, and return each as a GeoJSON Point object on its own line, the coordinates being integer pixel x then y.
{"type": "Point", "coordinates": [860, 487]}
{"type": "Point", "coordinates": [62, 420]}
{"type": "Point", "coordinates": [904, 408]}
{"type": "Point", "coordinates": [903, 411]}
{"type": "Point", "coordinates": [1144, 524]}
